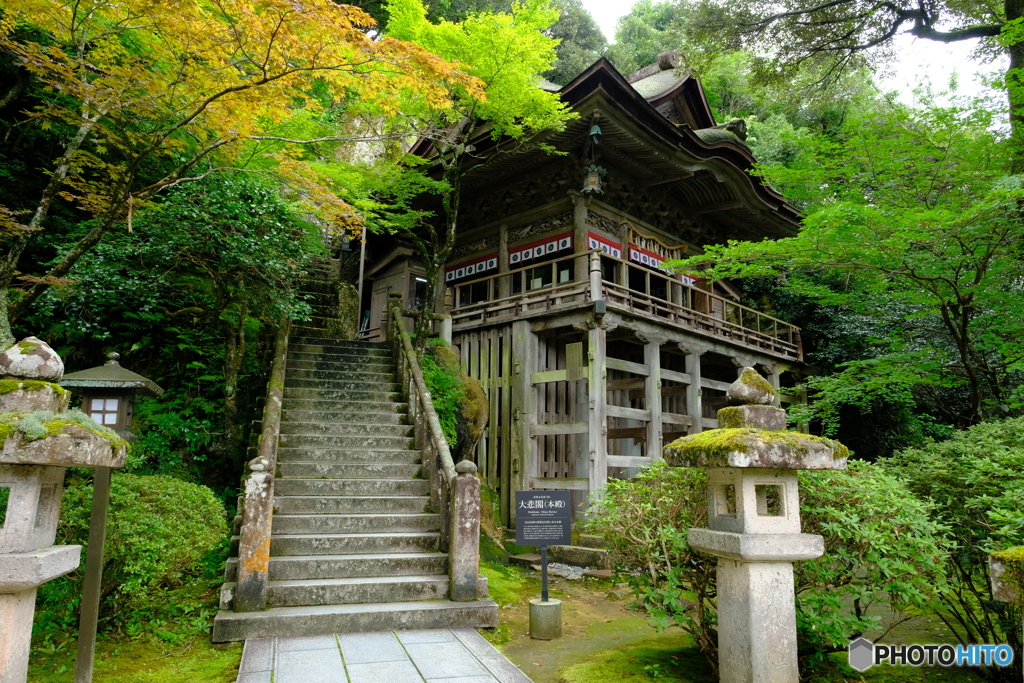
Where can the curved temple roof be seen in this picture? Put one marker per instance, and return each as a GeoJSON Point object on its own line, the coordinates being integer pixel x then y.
{"type": "Point", "coordinates": [658, 132]}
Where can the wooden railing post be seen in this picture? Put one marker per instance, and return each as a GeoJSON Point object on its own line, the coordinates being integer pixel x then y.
{"type": "Point", "coordinates": [250, 593]}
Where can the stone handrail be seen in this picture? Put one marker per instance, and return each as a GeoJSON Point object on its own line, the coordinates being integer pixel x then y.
{"type": "Point", "coordinates": [258, 498]}
{"type": "Point", "coordinates": [444, 454]}
{"type": "Point", "coordinates": [454, 489]}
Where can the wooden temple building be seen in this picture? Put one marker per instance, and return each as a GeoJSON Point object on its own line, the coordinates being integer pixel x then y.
{"type": "Point", "coordinates": [591, 354]}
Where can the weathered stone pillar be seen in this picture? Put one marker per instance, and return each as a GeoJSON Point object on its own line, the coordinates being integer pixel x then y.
{"type": "Point", "coordinates": [754, 520]}
{"type": "Point", "coordinates": [464, 550]}
{"type": "Point", "coordinates": [32, 477]}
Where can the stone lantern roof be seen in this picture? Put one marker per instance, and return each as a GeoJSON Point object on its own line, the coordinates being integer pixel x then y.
{"type": "Point", "coordinates": [111, 375]}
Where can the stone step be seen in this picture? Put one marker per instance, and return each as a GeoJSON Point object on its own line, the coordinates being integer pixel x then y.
{"type": "Point", "coordinates": [386, 388]}
{"type": "Point", "coordinates": [352, 487]}
{"type": "Point", "coordinates": [349, 544]}
{"type": "Point", "coordinates": [346, 442]}
{"type": "Point", "coordinates": [341, 399]}
{"type": "Point", "coordinates": [353, 524]}
{"type": "Point", "coordinates": [346, 417]}
{"type": "Point", "coordinates": [326, 619]}
{"type": "Point", "coordinates": [340, 356]}
{"type": "Point", "coordinates": [393, 456]}
{"type": "Point", "coordinates": [344, 429]}
{"type": "Point", "coordinates": [341, 376]}
{"type": "Point", "coordinates": [338, 364]}
{"type": "Point", "coordinates": [344, 408]}
{"type": "Point", "coordinates": [345, 470]}
{"type": "Point", "coordinates": [380, 589]}
{"type": "Point", "coordinates": [350, 504]}
{"type": "Point", "coordinates": [348, 343]}
{"type": "Point", "coordinates": [339, 347]}
{"type": "Point", "coordinates": [348, 566]}
{"type": "Point", "coordinates": [579, 556]}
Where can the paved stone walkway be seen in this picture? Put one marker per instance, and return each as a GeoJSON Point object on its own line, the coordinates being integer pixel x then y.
{"type": "Point", "coordinates": [436, 656]}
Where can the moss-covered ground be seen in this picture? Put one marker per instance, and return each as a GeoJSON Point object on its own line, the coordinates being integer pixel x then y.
{"type": "Point", "coordinates": [607, 639]}
{"type": "Point", "coordinates": [120, 660]}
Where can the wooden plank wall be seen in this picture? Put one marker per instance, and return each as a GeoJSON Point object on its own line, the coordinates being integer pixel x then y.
{"type": "Point", "coordinates": [486, 356]}
{"type": "Point", "coordinates": [556, 403]}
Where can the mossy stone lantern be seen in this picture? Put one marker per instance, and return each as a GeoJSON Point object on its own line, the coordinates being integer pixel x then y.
{"type": "Point", "coordinates": [754, 526]}
{"type": "Point", "coordinates": [109, 392]}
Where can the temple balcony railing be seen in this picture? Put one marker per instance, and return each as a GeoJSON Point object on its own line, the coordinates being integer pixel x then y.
{"type": "Point", "coordinates": [556, 285]}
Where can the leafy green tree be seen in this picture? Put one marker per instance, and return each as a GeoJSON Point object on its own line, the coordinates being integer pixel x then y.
{"type": "Point", "coordinates": [506, 52]}
{"type": "Point", "coordinates": [649, 29]}
{"type": "Point", "coordinates": [146, 96]}
{"type": "Point", "coordinates": [908, 223]}
{"type": "Point", "coordinates": [976, 483]}
{"type": "Point", "coordinates": [580, 41]}
{"type": "Point", "coordinates": [847, 34]}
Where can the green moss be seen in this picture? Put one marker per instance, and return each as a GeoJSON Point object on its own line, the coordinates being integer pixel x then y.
{"type": "Point", "coordinates": [752, 379]}
{"type": "Point", "coordinates": [720, 442]}
{"type": "Point", "coordinates": [1013, 558]}
{"type": "Point", "coordinates": [9, 385]}
{"type": "Point", "coordinates": [43, 423]}
{"type": "Point", "coordinates": [730, 418]}
{"type": "Point", "coordinates": [26, 347]}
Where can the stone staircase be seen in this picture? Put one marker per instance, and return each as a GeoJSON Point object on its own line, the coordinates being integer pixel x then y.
{"type": "Point", "coordinates": [354, 545]}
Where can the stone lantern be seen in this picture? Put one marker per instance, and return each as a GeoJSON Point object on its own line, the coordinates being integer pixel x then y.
{"type": "Point", "coordinates": [108, 398]}
{"type": "Point", "coordinates": [754, 520]}
{"type": "Point", "coordinates": [39, 441]}
{"type": "Point", "coordinates": [109, 392]}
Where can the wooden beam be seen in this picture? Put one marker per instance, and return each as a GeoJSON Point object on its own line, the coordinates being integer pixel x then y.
{"type": "Point", "coordinates": [709, 423]}
{"type": "Point", "coordinates": [629, 461]}
{"type": "Point", "coordinates": [623, 384]}
{"type": "Point", "coordinates": [548, 376]}
{"type": "Point", "coordinates": [714, 384]}
{"type": "Point", "coordinates": [628, 413]}
{"type": "Point", "coordinates": [693, 393]}
{"type": "Point", "coordinates": [635, 433]}
{"type": "Point", "coordinates": [560, 483]}
{"type": "Point", "coordinates": [556, 428]}
{"type": "Point", "coordinates": [676, 419]}
{"type": "Point", "coordinates": [674, 376]}
{"type": "Point", "coordinates": [626, 366]}
{"type": "Point", "coordinates": [716, 207]}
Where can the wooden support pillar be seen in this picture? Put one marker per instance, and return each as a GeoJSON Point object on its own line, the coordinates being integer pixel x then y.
{"type": "Point", "coordinates": [580, 243]}
{"type": "Point", "coordinates": [652, 392]}
{"type": "Point", "coordinates": [693, 393]}
{"type": "Point", "coordinates": [521, 446]}
{"type": "Point", "coordinates": [597, 394]}
{"type": "Point", "coordinates": [504, 283]}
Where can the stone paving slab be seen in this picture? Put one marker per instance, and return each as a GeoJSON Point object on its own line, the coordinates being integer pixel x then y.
{"type": "Point", "coordinates": [424, 656]}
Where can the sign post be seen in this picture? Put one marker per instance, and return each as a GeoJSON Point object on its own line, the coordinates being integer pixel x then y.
{"type": "Point", "coordinates": [542, 519]}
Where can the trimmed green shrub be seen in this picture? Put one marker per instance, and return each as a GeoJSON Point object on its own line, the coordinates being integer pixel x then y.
{"type": "Point", "coordinates": [976, 480]}
{"type": "Point", "coordinates": [881, 548]}
{"type": "Point", "coordinates": [163, 534]}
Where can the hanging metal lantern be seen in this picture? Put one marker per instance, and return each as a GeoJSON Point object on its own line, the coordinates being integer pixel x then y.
{"type": "Point", "coordinates": [592, 181]}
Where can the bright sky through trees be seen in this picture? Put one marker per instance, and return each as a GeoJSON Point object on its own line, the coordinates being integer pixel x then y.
{"type": "Point", "coordinates": [920, 57]}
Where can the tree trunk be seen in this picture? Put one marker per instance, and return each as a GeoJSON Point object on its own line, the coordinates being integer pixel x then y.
{"type": "Point", "coordinates": [434, 262]}
{"type": "Point", "coordinates": [1015, 90]}
{"type": "Point", "coordinates": [234, 356]}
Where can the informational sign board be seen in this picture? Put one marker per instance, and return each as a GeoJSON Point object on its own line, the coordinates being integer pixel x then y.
{"type": "Point", "coordinates": [542, 518]}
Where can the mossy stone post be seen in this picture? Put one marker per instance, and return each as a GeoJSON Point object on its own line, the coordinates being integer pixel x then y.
{"type": "Point", "coordinates": [1006, 573]}
{"type": "Point", "coordinates": [37, 446]}
{"type": "Point", "coordinates": [754, 520]}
